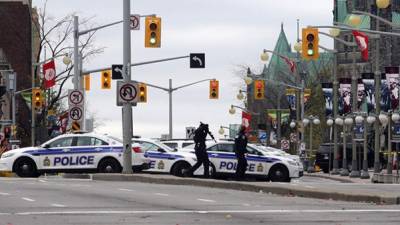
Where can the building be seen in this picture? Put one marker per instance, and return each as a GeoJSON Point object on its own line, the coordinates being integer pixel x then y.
{"type": "Point", "coordinates": [16, 52]}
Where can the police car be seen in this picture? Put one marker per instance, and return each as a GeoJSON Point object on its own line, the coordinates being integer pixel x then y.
{"type": "Point", "coordinates": [84, 152]}
{"type": "Point", "coordinates": [163, 159]}
{"type": "Point", "coordinates": [261, 164]}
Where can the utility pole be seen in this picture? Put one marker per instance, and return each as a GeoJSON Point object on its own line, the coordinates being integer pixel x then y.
{"type": "Point", "coordinates": [127, 108]}
{"type": "Point", "coordinates": [170, 108]}
{"type": "Point", "coordinates": [377, 101]}
{"type": "Point", "coordinates": [354, 167]}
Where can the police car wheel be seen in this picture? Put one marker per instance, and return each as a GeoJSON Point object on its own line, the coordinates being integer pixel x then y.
{"type": "Point", "coordinates": [109, 166]}
{"type": "Point", "coordinates": [279, 173]}
{"type": "Point", "coordinates": [179, 169]}
{"type": "Point", "coordinates": [26, 167]}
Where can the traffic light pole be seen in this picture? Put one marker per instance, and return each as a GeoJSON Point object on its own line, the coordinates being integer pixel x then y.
{"type": "Point", "coordinates": [127, 108]}
{"type": "Point", "coordinates": [170, 90]}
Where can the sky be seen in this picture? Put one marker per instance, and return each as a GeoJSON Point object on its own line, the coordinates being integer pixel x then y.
{"type": "Point", "coordinates": [231, 33]}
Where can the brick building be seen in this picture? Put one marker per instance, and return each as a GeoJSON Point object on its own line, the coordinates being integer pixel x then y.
{"type": "Point", "coordinates": [16, 48]}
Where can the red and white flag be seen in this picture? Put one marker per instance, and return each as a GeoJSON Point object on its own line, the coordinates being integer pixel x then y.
{"type": "Point", "coordinates": [246, 118]}
{"type": "Point", "coordinates": [49, 71]}
{"type": "Point", "coordinates": [362, 41]}
{"type": "Point", "coordinates": [290, 63]}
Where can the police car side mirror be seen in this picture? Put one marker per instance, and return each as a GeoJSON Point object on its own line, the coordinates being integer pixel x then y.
{"type": "Point", "coordinates": [46, 146]}
{"type": "Point", "coordinates": [160, 150]}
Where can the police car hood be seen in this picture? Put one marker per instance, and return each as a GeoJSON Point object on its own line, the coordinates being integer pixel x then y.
{"type": "Point", "coordinates": [282, 158]}
{"type": "Point", "coordinates": [22, 150]}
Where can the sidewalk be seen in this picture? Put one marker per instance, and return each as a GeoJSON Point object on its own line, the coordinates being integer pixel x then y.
{"type": "Point", "coordinates": [355, 192]}
{"type": "Point", "coordinates": [344, 179]}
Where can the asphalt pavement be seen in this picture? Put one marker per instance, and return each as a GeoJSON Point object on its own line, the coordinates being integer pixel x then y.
{"type": "Point", "coordinates": [55, 200]}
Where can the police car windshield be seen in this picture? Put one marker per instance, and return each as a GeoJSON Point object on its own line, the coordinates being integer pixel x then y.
{"type": "Point", "coordinates": [115, 139]}
{"type": "Point", "coordinates": [164, 146]}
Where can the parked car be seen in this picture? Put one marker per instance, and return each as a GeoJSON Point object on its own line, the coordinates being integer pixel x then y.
{"type": "Point", "coordinates": [325, 153]}
{"type": "Point", "coordinates": [178, 143]}
{"type": "Point", "coordinates": [261, 164]}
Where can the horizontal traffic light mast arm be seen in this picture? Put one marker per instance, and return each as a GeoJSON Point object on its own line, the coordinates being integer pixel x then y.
{"type": "Point", "coordinates": [376, 17]}
{"type": "Point", "coordinates": [190, 84]}
{"type": "Point", "coordinates": [281, 83]}
{"type": "Point", "coordinates": [275, 53]}
{"type": "Point", "coordinates": [106, 25]}
{"type": "Point", "coordinates": [361, 30]}
{"type": "Point", "coordinates": [347, 43]}
{"type": "Point", "coordinates": [138, 64]}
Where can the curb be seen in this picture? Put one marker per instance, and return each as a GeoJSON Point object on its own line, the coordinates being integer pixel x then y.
{"type": "Point", "coordinates": [286, 191]}
{"type": "Point", "coordinates": [76, 176]}
{"type": "Point", "coordinates": [343, 180]}
{"type": "Point", "coordinates": [7, 174]}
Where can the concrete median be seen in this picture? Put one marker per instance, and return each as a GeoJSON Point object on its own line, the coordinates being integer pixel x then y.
{"type": "Point", "coordinates": [267, 187]}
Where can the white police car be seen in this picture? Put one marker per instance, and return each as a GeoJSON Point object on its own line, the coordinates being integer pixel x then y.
{"type": "Point", "coordinates": [260, 163]}
{"type": "Point", "coordinates": [83, 152]}
{"type": "Point", "coordinates": [163, 159]}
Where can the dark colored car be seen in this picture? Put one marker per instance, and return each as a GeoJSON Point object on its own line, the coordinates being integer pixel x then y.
{"type": "Point", "coordinates": [325, 153]}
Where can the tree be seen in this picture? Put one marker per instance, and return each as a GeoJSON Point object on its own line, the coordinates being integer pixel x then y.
{"type": "Point", "coordinates": [55, 38]}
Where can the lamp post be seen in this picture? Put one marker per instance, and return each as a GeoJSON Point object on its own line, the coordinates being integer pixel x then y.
{"type": "Point", "coordinates": [330, 122]}
{"type": "Point", "coordinates": [310, 120]}
{"type": "Point", "coordinates": [347, 122]}
{"type": "Point", "coordinates": [381, 4]}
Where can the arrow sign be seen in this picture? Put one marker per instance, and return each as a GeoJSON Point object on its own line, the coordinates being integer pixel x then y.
{"type": "Point", "coordinates": [75, 97]}
{"type": "Point", "coordinates": [117, 71]}
{"type": "Point", "coordinates": [197, 60]}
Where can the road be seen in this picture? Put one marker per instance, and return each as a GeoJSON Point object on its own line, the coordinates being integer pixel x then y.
{"type": "Point", "coordinates": [72, 201]}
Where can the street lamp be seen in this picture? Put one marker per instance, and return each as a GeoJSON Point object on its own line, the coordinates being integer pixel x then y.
{"type": "Point", "coordinates": [264, 56]}
{"type": "Point", "coordinates": [292, 124]}
{"type": "Point", "coordinates": [297, 47]}
{"type": "Point", "coordinates": [347, 122]}
{"type": "Point", "coordinates": [354, 20]}
{"type": "Point", "coordinates": [221, 131]}
{"type": "Point", "coordinates": [240, 96]}
{"type": "Point", "coordinates": [310, 120]}
{"type": "Point", "coordinates": [330, 122]}
{"type": "Point", "coordinates": [334, 32]}
{"type": "Point", "coordinates": [382, 4]}
{"type": "Point", "coordinates": [232, 110]}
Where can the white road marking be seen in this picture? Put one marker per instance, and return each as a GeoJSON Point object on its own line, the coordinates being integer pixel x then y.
{"type": "Point", "coordinates": [161, 194]}
{"type": "Point", "coordinates": [123, 189]}
{"type": "Point", "coordinates": [3, 193]}
{"type": "Point", "coordinates": [205, 200]}
{"type": "Point", "coordinates": [294, 184]}
{"type": "Point", "coordinates": [57, 205]}
{"type": "Point", "coordinates": [43, 181]}
{"type": "Point", "coordinates": [28, 199]}
{"type": "Point", "coordinates": [272, 211]}
{"type": "Point", "coordinates": [308, 186]}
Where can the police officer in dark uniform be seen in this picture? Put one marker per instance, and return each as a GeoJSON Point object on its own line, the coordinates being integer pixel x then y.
{"type": "Point", "coordinates": [240, 151]}
{"type": "Point", "coordinates": [199, 138]}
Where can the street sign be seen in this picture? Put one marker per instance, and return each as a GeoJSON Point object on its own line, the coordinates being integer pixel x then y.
{"type": "Point", "coordinates": [76, 113]}
{"type": "Point", "coordinates": [76, 126]}
{"type": "Point", "coordinates": [135, 22]}
{"type": "Point", "coordinates": [75, 97]}
{"type": "Point", "coordinates": [190, 132]}
{"type": "Point", "coordinates": [262, 136]}
{"type": "Point", "coordinates": [197, 60]}
{"type": "Point", "coordinates": [117, 71]}
{"type": "Point", "coordinates": [127, 92]}
{"type": "Point", "coordinates": [285, 144]}
{"type": "Point", "coordinates": [5, 122]}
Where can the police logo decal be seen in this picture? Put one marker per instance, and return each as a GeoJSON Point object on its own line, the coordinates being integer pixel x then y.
{"type": "Point", "coordinates": [160, 165]}
{"type": "Point", "coordinates": [260, 167]}
{"type": "Point", "coordinates": [46, 161]}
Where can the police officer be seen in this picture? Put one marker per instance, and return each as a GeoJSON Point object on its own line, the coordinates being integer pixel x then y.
{"type": "Point", "coordinates": [240, 151]}
{"type": "Point", "coordinates": [199, 138]}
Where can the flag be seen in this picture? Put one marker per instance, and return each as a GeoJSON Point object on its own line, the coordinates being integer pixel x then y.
{"type": "Point", "coordinates": [246, 118]}
{"type": "Point", "coordinates": [362, 41]}
{"type": "Point", "coordinates": [49, 71]}
{"type": "Point", "coordinates": [63, 122]}
{"type": "Point", "coordinates": [290, 63]}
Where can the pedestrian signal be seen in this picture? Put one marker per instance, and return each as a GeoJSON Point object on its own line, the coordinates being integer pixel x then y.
{"type": "Point", "coordinates": [310, 43]}
{"type": "Point", "coordinates": [259, 89]}
{"type": "Point", "coordinates": [106, 79]}
{"type": "Point", "coordinates": [214, 86]}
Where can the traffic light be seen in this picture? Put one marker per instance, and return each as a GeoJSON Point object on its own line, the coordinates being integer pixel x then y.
{"type": "Point", "coordinates": [152, 37]}
{"type": "Point", "coordinates": [259, 89]}
{"type": "Point", "coordinates": [214, 86]}
{"type": "Point", "coordinates": [106, 79]}
{"type": "Point", "coordinates": [310, 43]}
{"type": "Point", "coordinates": [142, 92]}
{"type": "Point", "coordinates": [87, 82]}
{"type": "Point", "coordinates": [37, 100]}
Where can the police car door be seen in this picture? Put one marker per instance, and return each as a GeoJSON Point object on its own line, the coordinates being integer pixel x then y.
{"type": "Point", "coordinates": [57, 154]}
{"type": "Point", "coordinates": [88, 152]}
{"type": "Point", "coordinates": [223, 157]}
{"type": "Point", "coordinates": [256, 162]}
{"type": "Point", "coordinates": [160, 159]}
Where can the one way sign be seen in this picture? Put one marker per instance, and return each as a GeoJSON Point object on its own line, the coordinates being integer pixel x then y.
{"type": "Point", "coordinates": [117, 72]}
{"type": "Point", "coordinates": [197, 60]}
